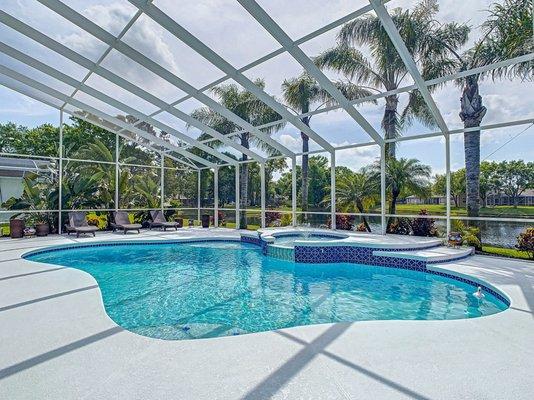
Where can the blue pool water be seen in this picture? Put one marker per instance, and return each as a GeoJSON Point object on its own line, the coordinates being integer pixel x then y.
{"type": "Point", "coordinates": [210, 289]}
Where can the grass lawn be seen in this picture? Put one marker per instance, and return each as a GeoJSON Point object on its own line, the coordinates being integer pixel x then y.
{"type": "Point", "coordinates": [497, 211]}
{"type": "Point", "coordinates": [499, 251]}
{"type": "Point", "coordinates": [439, 209]}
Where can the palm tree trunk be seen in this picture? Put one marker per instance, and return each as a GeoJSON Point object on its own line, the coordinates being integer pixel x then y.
{"type": "Point", "coordinates": [359, 206]}
{"type": "Point", "coordinates": [392, 208]}
{"type": "Point", "coordinates": [472, 112]}
{"type": "Point", "coordinates": [243, 184]}
{"type": "Point", "coordinates": [389, 123]}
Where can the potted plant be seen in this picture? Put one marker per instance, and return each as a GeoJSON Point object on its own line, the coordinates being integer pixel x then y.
{"type": "Point", "coordinates": [179, 219]}
{"type": "Point", "coordinates": [42, 225]}
{"type": "Point", "coordinates": [16, 227]}
{"type": "Point", "coordinates": [205, 220]}
{"type": "Point", "coordinates": [35, 198]}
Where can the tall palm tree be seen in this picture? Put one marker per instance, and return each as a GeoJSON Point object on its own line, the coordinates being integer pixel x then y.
{"type": "Point", "coordinates": [247, 106]}
{"type": "Point", "coordinates": [507, 33]}
{"type": "Point", "coordinates": [429, 42]}
{"type": "Point", "coordinates": [303, 93]}
{"type": "Point", "coordinates": [404, 176]}
{"type": "Point", "coordinates": [357, 191]}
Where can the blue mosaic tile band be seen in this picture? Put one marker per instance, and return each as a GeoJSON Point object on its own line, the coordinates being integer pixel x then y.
{"type": "Point", "coordinates": [250, 239]}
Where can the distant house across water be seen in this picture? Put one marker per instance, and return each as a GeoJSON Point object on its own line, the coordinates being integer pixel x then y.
{"type": "Point", "coordinates": [497, 199]}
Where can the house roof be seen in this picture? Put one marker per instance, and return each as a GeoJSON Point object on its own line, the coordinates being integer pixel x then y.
{"type": "Point", "coordinates": [19, 167]}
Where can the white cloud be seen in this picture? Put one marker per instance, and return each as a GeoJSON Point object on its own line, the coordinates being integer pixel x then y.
{"type": "Point", "coordinates": [291, 142]}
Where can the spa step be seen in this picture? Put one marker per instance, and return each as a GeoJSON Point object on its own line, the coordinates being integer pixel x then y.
{"type": "Point", "coordinates": [433, 255]}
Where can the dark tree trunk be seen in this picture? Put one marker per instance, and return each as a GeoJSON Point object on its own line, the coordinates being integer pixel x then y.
{"type": "Point", "coordinates": [305, 162]}
{"type": "Point", "coordinates": [359, 206]}
{"type": "Point", "coordinates": [472, 112]}
{"type": "Point", "coordinates": [243, 184]}
{"type": "Point", "coordinates": [392, 207]}
{"type": "Point", "coordinates": [389, 123]}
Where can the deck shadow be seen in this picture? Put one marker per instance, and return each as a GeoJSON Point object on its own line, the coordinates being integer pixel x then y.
{"type": "Point", "coordinates": [41, 358]}
{"type": "Point", "coordinates": [52, 296]}
{"type": "Point", "coordinates": [275, 381]}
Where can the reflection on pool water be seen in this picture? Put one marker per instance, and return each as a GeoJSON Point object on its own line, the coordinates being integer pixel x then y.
{"type": "Point", "coordinates": [211, 289]}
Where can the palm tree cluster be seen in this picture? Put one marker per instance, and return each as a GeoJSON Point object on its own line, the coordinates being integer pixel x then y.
{"type": "Point", "coordinates": [437, 49]}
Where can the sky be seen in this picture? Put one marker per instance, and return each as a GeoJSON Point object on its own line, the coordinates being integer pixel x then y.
{"type": "Point", "coordinates": [230, 31]}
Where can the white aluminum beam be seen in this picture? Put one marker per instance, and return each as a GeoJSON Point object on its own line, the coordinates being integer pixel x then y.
{"type": "Point", "coordinates": [53, 45]}
{"type": "Point", "coordinates": [216, 197]}
{"type": "Point", "coordinates": [283, 38]}
{"type": "Point", "coordinates": [34, 96]}
{"type": "Point", "coordinates": [402, 50]}
{"type": "Point", "coordinates": [104, 36]}
{"type": "Point", "coordinates": [237, 199]}
{"type": "Point", "coordinates": [85, 107]}
{"type": "Point", "coordinates": [190, 40]}
{"type": "Point", "coordinates": [262, 194]}
{"type": "Point", "coordinates": [38, 65]}
{"type": "Point", "coordinates": [60, 187]}
{"type": "Point", "coordinates": [281, 50]}
{"type": "Point", "coordinates": [105, 54]}
{"type": "Point", "coordinates": [383, 188]}
{"type": "Point", "coordinates": [333, 190]}
{"type": "Point", "coordinates": [294, 191]}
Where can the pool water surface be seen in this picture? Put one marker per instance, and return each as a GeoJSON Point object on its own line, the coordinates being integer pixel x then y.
{"type": "Point", "coordinates": [211, 289]}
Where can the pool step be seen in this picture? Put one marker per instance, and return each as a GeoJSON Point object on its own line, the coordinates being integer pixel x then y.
{"type": "Point", "coordinates": [434, 255]}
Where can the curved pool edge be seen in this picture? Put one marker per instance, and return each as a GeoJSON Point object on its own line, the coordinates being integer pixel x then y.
{"type": "Point", "coordinates": [432, 348]}
{"type": "Point", "coordinates": [126, 242]}
{"type": "Point", "coordinates": [430, 269]}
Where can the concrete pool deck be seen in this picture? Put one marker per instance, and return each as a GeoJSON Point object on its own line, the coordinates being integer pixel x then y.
{"type": "Point", "coordinates": [57, 342]}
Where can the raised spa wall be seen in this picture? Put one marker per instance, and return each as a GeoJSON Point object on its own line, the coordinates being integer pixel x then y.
{"type": "Point", "coordinates": [354, 253]}
{"type": "Point", "coordinates": [361, 255]}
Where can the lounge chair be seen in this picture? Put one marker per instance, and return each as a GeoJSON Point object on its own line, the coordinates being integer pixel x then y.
{"type": "Point", "coordinates": [78, 223]}
{"type": "Point", "coordinates": [159, 221]}
{"type": "Point", "coordinates": [122, 221]}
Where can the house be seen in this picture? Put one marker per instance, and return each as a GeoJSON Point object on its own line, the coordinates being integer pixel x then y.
{"type": "Point", "coordinates": [12, 173]}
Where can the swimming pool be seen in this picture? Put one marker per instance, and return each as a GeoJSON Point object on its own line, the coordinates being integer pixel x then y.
{"type": "Point", "coordinates": [211, 289]}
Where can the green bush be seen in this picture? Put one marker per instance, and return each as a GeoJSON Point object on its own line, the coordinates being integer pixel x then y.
{"type": "Point", "coordinates": [286, 220]}
{"type": "Point", "coordinates": [469, 233]}
{"type": "Point", "coordinates": [525, 242]}
{"type": "Point", "coordinates": [424, 226]}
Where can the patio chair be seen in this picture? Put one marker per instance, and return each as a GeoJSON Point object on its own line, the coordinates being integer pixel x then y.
{"type": "Point", "coordinates": [78, 223]}
{"type": "Point", "coordinates": [122, 221]}
{"type": "Point", "coordinates": [159, 221]}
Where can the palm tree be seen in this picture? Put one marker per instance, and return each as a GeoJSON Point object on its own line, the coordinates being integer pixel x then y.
{"type": "Point", "coordinates": [507, 33]}
{"type": "Point", "coordinates": [301, 94]}
{"type": "Point", "coordinates": [429, 42]}
{"type": "Point", "coordinates": [404, 176]}
{"type": "Point", "coordinates": [356, 191]}
{"type": "Point", "coordinates": [247, 106]}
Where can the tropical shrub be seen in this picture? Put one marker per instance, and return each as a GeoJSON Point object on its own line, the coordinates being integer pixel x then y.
{"type": "Point", "coordinates": [343, 222]}
{"type": "Point", "coordinates": [272, 216]}
{"type": "Point", "coordinates": [286, 220]}
{"type": "Point", "coordinates": [424, 226]}
{"type": "Point", "coordinates": [525, 242]}
{"type": "Point", "coordinates": [400, 226]}
{"type": "Point", "coordinates": [100, 221]}
{"type": "Point", "coordinates": [470, 234]}
{"type": "Point", "coordinates": [361, 227]}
